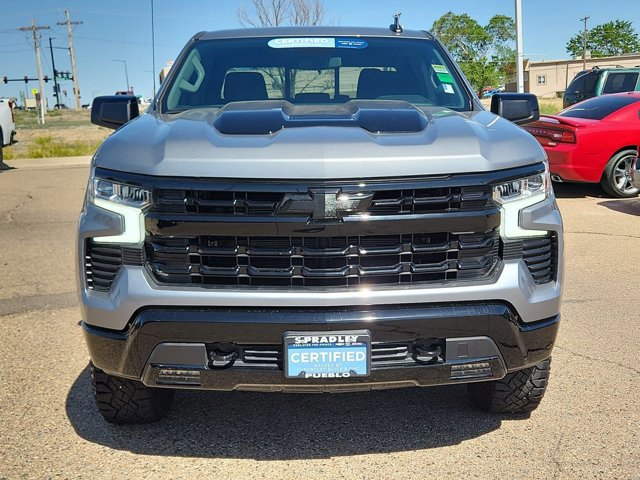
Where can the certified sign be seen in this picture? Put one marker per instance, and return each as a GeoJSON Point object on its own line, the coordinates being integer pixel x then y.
{"type": "Point", "coordinates": [321, 355]}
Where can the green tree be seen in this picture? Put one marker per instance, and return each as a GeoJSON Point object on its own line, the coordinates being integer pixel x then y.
{"type": "Point", "coordinates": [485, 53]}
{"type": "Point", "coordinates": [607, 40]}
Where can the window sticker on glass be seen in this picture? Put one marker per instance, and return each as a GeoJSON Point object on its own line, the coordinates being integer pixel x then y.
{"type": "Point", "coordinates": [317, 42]}
{"type": "Point", "coordinates": [351, 43]}
{"type": "Point", "coordinates": [300, 42]}
{"type": "Point", "coordinates": [448, 88]}
{"type": "Point", "coordinates": [443, 74]}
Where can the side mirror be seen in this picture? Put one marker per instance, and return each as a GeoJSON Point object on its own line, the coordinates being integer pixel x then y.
{"type": "Point", "coordinates": [113, 111]}
{"type": "Point", "coordinates": [520, 108]}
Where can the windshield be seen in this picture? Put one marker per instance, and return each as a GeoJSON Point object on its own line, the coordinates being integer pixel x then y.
{"type": "Point", "coordinates": [599, 107]}
{"type": "Point", "coordinates": [620, 82]}
{"type": "Point", "coordinates": [585, 84]}
{"type": "Point", "coordinates": [318, 70]}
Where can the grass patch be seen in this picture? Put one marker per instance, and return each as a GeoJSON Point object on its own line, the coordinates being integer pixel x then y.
{"type": "Point", "coordinates": [549, 108]}
{"type": "Point", "coordinates": [46, 147]}
{"type": "Point", "coordinates": [28, 119]}
{"type": "Point", "coordinates": [8, 153]}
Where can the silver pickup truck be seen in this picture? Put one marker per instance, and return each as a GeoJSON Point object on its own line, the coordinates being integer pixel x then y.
{"type": "Point", "coordinates": [7, 126]}
{"type": "Point", "coordinates": [320, 209]}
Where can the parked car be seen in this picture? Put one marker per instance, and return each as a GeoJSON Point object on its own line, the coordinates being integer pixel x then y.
{"type": "Point", "coordinates": [360, 223]}
{"type": "Point", "coordinates": [490, 93]}
{"type": "Point", "coordinates": [7, 125]}
{"type": "Point", "coordinates": [593, 141]}
{"type": "Point", "coordinates": [600, 81]}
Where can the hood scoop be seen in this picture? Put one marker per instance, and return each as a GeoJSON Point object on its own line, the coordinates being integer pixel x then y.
{"type": "Point", "coordinates": [268, 117]}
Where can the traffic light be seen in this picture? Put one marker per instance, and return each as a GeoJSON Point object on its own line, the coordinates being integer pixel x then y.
{"type": "Point", "coordinates": [5, 79]}
{"type": "Point", "coordinates": [26, 79]}
{"type": "Point", "coordinates": [46, 79]}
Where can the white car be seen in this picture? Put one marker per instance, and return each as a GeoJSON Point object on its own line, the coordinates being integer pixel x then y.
{"type": "Point", "coordinates": [7, 124]}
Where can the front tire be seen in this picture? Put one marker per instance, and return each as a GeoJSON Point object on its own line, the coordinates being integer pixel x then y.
{"type": "Point", "coordinates": [517, 392]}
{"type": "Point", "coordinates": [125, 401]}
{"type": "Point", "coordinates": [616, 179]}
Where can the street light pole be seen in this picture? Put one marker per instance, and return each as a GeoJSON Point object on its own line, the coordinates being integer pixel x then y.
{"type": "Point", "coordinates": [519, 54]}
{"type": "Point", "coordinates": [126, 73]}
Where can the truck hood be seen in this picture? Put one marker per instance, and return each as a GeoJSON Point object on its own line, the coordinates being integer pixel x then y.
{"type": "Point", "coordinates": [193, 144]}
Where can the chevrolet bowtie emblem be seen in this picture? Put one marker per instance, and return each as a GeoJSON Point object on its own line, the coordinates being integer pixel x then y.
{"type": "Point", "coordinates": [322, 204]}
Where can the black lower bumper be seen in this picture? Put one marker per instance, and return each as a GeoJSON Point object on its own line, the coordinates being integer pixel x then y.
{"type": "Point", "coordinates": [128, 353]}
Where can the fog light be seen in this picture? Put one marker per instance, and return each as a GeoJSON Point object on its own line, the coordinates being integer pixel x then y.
{"type": "Point", "coordinates": [471, 370]}
{"type": "Point", "coordinates": [178, 376]}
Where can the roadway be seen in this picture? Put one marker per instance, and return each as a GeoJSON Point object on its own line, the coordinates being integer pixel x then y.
{"type": "Point", "coordinates": [586, 427]}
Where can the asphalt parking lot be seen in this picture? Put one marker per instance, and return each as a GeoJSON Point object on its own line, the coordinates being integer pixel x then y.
{"type": "Point", "coordinates": [586, 427]}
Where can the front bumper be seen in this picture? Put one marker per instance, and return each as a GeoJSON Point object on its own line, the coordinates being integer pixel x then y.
{"type": "Point", "coordinates": [171, 347]}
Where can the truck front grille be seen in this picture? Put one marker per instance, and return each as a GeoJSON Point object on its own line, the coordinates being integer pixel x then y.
{"type": "Point", "coordinates": [396, 201]}
{"type": "Point", "coordinates": [322, 261]}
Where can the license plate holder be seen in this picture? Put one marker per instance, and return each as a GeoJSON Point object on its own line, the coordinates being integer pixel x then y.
{"type": "Point", "coordinates": [326, 355]}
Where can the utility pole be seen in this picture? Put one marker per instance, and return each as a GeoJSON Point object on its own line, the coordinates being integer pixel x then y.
{"type": "Point", "coordinates": [519, 54]}
{"type": "Point", "coordinates": [36, 45]}
{"type": "Point", "coordinates": [584, 42]}
{"type": "Point", "coordinates": [55, 76]}
{"type": "Point", "coordinates": [76, 88]}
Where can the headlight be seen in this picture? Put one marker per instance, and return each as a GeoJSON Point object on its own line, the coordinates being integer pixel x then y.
{"type": "Point", "coordinates": [119, 193]}
{"type": "Point", "coordinates": [517, 194]}
{"type": "Point", "coordinates": [537, 186]}
{"type": "Point", "coordinates": [128, 201]}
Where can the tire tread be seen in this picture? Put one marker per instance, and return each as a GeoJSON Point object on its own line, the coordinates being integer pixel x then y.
{"type": "Point", "coordinates": [517, 392]}
{"type": "Point", "coordinates": [125, 401]}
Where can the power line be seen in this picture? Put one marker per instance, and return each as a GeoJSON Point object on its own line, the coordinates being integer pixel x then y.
{"type": "Point", "coordinates": [74, 73]}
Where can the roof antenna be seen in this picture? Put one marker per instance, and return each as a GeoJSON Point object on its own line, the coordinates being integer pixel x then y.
{"type": "Point", "coordinates": [395, 26]}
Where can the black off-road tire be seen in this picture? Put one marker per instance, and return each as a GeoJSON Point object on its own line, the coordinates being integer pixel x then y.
{"type": "Point", "coordinates": [124, 401]}
{"type": "Point", "coordinates": [518, 392]}
{"type": "Point", "coordinates": [619, 162]}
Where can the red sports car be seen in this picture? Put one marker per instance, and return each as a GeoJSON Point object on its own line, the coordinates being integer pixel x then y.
{"type": "Point", "coordinates": [593, 141]}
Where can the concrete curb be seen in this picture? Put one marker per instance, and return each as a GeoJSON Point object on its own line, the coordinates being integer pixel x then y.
{"type": "Point", "coordinates": [21, 163]}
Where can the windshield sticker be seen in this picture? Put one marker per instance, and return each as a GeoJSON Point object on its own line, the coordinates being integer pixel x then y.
{"type": "Point", "coordinates": [351, 43]}
{"type": "Point", "coordinates": [317, 42]}
{"type": "Point", "coordinates": [443, 74]}
{"type": "Point", "coordinates": [307, 42]}
{"type": "Point", "coordinates": [448, 88]}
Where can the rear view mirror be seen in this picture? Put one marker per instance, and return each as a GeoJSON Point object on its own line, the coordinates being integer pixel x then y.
{"type": "Point", "coordinates": [520, 108]}
{"type": "Point", "coordinates": [113, 111]}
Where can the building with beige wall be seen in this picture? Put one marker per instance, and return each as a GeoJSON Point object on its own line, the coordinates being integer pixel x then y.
{"type": "Point", "coordinates": [550, 78]}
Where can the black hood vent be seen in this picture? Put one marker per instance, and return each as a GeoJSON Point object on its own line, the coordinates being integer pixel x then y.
{"type": "Point", "coordinates": [267, 117]}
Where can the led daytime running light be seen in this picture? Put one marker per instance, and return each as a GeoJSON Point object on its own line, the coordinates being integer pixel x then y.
{"type": "Point", "coordinates": [521, 188]}
{"type": "Point", "coordinates": [121, 193]}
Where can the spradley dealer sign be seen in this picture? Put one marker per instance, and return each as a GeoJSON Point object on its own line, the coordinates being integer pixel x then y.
{"type": "Point", "coordinates": [322, 355]}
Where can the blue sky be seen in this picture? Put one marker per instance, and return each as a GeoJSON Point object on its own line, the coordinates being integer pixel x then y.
{"type": "Point", "coordinates": [121, 30]}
